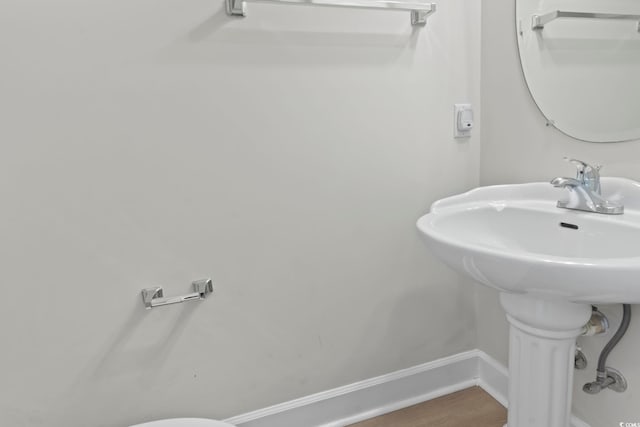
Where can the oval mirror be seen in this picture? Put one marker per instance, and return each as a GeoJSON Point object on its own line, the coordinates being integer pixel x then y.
{"type": "Point", "coordinates": [581, 61]}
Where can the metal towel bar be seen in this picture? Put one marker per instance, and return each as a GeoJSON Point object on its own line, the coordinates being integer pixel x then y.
{"type": "Point", "coordinates": [539, 21]}
{"type": "Point", "coordinates": [154, 297]}
{"type": "Point", "coordinates": [419, 10]}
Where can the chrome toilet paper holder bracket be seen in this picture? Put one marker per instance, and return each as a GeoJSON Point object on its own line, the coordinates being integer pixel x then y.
{"type": "Point", "coordinates": [154, 297]}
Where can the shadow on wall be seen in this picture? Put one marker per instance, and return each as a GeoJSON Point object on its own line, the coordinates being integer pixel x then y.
{"type": "Point", "coordinates": [220, 40]}
{"type": "Point", "coordinates": [147, 359]}
{"type": "Point", "coordinates": [137, 352]}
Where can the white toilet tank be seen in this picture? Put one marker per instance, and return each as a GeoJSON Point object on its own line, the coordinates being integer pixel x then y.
{"type": "Point", "coordinates": [184, 422]}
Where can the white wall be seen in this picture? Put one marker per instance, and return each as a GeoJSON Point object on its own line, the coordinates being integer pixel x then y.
{"type": "Point", "coordinates": [518, 147]}
{"type": "Point", "coordinates": [286, 155]}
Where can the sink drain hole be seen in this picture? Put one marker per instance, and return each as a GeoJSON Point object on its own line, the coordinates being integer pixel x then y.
{"type": "Point", "coordinates": [567, 225]}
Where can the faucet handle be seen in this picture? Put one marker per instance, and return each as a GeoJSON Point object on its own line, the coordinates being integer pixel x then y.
{"type": "Point", "coordinates": [581, 165]}
{"type": "Point", "coordinates": [587, 174]}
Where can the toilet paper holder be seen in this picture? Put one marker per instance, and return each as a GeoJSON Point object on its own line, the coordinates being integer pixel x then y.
{"type": "Point", "coordinates": [154, 297]}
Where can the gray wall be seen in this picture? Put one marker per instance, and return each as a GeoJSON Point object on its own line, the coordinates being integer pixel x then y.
{"type": "Point", "coordinates": [286, 155]}
{"type": "Point", "coordinates": [517, 146]}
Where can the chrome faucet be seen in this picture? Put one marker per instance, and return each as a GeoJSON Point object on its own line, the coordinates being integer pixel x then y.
{"type": "Point", "coordinates": [584, 191]}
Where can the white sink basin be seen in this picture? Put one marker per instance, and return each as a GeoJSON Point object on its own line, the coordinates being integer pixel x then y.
{"type": "Point", "coordinates": [514, 238]}
{"type": "Point", "coordinates": [550, 264]}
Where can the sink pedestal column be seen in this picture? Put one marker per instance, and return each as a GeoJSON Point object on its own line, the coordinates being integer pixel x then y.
{"type": "Point", "coordinates": [542, 343]}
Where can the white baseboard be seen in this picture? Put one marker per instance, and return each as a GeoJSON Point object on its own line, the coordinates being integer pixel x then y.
{"type": "Point", "coordinates": [493, 378]}
{"type": "Point", "coordinates": [380, 395]}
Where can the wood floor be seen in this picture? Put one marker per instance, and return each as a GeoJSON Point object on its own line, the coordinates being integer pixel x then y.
{"type": "Point", "coordinates": [470, 407]}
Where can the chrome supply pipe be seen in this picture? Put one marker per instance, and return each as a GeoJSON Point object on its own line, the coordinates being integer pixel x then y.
{"type": "Point", "coordinates": [608, 377]}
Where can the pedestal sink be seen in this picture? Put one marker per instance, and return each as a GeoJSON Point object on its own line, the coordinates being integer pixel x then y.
{"type": "Point", "coordinates": [550, 265]}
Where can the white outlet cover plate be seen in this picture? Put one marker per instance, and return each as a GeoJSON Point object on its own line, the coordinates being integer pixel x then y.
{"type": "Point", "coordinates": [457, 110]}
